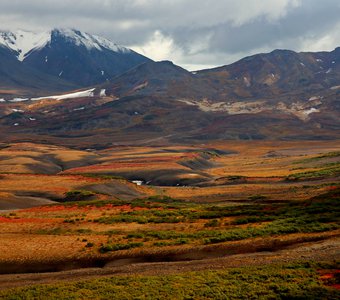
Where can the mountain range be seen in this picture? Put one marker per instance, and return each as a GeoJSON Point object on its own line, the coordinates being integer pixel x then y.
{"type": "Point", "coordinates": [115, 95]}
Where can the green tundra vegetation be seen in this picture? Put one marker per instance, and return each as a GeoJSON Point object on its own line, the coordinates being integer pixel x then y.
{"type": "Point", "coordinates": [204, 224]}
{"type": "Point", "coordinates": [284, 281]}
{"type": "Point", "coordinates": [263, 220]}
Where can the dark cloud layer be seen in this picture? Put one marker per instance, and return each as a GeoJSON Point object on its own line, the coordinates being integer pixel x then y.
{"type": "Point", "coordinates": [193, 33]}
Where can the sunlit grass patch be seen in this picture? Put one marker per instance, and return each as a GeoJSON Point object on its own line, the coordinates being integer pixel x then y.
{"type": "Point", "coordinates": [284, 281]}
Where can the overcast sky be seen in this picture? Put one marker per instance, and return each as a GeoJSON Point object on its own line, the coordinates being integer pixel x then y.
{"type": "Point", "coordinates": [194, 34]}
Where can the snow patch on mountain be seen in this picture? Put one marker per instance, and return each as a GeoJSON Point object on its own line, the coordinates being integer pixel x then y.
{"type": "Point", "coordinates": [18, 100]}
{"type": "Point", "coordinates": [246, 81]}
{"type": "Point", "coordinates": [87, 93]}
{"type": "Point", "coordinates": [79, 108]}
{"type": "Point", "coordinates": [80, 94]}
{"type": "Point", "coordinates": [310, 111]}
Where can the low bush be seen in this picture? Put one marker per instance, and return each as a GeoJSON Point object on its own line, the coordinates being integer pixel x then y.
{"type": "Point", "coordinates": [117, 247]}
{"type": "Point", "coordinates": [257, 197]}
{"type": "Point", "coordinates": [212, 223]}
{"type": "Point", "coordinates": [78, 195]}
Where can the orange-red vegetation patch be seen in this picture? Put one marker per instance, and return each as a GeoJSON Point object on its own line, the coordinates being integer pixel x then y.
{"type": "Point", "coordinates": [26, 220]}
{"type": "Point", "coordinates": [269, 208]}
{"type": "Point", "coordinates": [328, 275]}
{"type": "Point", "coordinates": [68, 177]}
{"type": "Point", "coordinates": [50, 208]}
{"type": "Point", "coordinates": [333, 187]}
{"type": "Point", "coordinates": [160, 159]}
{"type": "Point", "coordinates": [61, 208]}
{"type": "Point", "coordinates": [50, 183]}
{"type": "Point", "coordinates": [335, 286]}
{"type": "Point", "coordinates": [145, 162]}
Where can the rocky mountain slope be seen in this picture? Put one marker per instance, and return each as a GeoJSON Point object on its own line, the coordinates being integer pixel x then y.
{"type": "Point", "coordinates": [18, 79]}
{"type": "Point", "coordinates": [279, 95]}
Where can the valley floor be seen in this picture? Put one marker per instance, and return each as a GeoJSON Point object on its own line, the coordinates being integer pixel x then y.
{"type": "Point", "coordinates": [166, 210]}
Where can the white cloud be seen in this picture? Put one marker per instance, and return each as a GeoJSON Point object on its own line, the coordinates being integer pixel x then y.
{"type": "Point", "coordinates": [159, 47]}
{"type": "Point", "coordinates": [325, 42]}
{"type": "Point", "coordinates": [162, 47]}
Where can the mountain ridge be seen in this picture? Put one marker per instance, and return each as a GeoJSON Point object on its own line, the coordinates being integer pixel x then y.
{"type": "Point", "coordinates": [281, 95]}
{"type": "Point", "coordinates": [23, 42]}
{"type": "Point", "coordinates": [77, 57]}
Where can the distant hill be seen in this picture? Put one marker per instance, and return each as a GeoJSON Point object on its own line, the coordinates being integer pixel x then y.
{"type": "Point", "coordinates": [282, 95]}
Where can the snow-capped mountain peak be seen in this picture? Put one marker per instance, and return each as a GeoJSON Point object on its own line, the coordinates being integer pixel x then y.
{"type": "Point", "coordinates": [23, 42]}
{"type": "Point", "coordinates": [68, 54]}
{"type": "Point", "coordinates": [89, 41]}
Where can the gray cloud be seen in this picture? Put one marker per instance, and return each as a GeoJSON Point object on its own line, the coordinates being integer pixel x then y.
{"type": "Point", "coordinates": [193, 33]}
